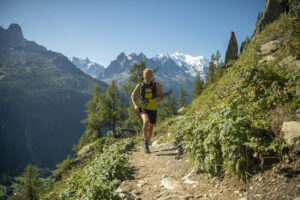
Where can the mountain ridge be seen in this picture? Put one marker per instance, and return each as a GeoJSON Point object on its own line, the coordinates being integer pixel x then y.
{"type": "Point", "coordinates": [87, 66]}
{"type": "Point", "coordinates": [42, 101]}
{"type": "Point", "coordinates": [175, 70]}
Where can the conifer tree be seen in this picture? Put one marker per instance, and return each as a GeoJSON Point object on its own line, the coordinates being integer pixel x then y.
{"type": "Point", "coordinates": [212, 70]}
{"type": "Point", "coordinates": [197, 87]}
{"type": "Point", "coordinates": [136, 72]}
{"type": "Point", "coordinates": [113, 110]}
{"type": "Point", "coordinates": [244, 44]}
{"type": "Point", "coordinates": [232, 49]}
{"type": "Point", "coordinates": [218, 58]}
{"type": "Point", "coordinates": [95, 118]}
{"type": "Point", "coordinates": [31, 184]}
{"type": "Point", "coordinates": [219, 67]}
{"type": "Point", "coordinates": [181, 99]}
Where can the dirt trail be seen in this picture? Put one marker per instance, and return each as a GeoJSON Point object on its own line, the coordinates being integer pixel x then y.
{"type": "Point", "coordinates": [161, 175]}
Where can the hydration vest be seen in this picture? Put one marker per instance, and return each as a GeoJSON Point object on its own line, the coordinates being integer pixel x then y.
{"type": "Point", "coordinates": [148, 93]}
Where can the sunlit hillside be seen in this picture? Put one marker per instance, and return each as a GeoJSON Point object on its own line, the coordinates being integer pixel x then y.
{"type": "Point", "coordinates": [235, 124]}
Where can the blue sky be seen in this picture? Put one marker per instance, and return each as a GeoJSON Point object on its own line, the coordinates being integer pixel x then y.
{"type": "Point", "coordinates": [102, 29]}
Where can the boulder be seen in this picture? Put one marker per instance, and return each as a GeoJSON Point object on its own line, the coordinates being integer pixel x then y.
{"type": "Point", "coordinates": [267, 59]}
{"type": "Point", "coordinates": [291, 61]}
{"type": "Point", "coordinates": [269, 47]}
{"type": "Point", "coordinates": [291, 131]}
{"type": "Point", "coordinates": [120, 133]}
{"type": "Point", "coordinates": [82, 154]}
{"type": "Point", "coordinates": [181, 111]}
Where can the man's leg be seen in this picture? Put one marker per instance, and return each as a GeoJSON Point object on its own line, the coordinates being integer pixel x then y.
{"type": "Point", "coordinates": [146, 123]}
{"type": "Point", "coordinates": [152, 119]}
{"type": "Point", "coordinates": [150, 130]}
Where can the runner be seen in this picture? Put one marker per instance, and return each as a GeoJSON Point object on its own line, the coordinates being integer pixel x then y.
{"type": "Point", "coordinates": [148, 90]}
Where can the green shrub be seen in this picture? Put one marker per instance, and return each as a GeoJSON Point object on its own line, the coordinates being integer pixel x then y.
{"type": "Point", "coordinates": [99, 178]}
{"type": "Point", "coordinates": [228, 127]}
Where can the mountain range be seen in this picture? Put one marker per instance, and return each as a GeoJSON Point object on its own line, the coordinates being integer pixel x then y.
{"type": "Point", "coordinates": [87, 66]}
{"type": "Point", "coordinates": [175, 70]}
{"type": "Point", "coordinates": [42, 101]}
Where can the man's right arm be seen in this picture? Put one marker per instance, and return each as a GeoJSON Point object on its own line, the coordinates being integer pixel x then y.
{"type": "Point", "coordinates": [133, 94]}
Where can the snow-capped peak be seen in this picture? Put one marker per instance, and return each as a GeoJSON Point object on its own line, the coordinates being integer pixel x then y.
{"type": "Point", "coordinates": [189, 64]}
{"type": "Point", "coordinates": [187, 60]}
{"type": "Point", "coordinates": [87, 66]}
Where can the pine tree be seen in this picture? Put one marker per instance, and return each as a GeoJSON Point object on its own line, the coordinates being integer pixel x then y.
{"type": "Point", "coordinates": [232, 49]}
{"type": "Point", "coordinates": [95, 118]}
{"type": "Point", "coordinates": [218, 58]}
{"type": "Point", "coordinates": [30, 185]}
{"type": "Point", "coordinates": [245, 44]}
{"type": "Point", "coordinates": [197, 87]}
{"type": "Point", "coordinates": [219, 67]}
{"type": "Point", "coordinates": [212, 70]}
{"type": "Point", "coordinates": [113, 110]}
{"type": "Point", "coordinates": [136, 72]}
{"type": "Point", "coordinates": [181, 99]}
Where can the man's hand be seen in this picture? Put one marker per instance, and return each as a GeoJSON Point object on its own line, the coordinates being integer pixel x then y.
{"type": "Point", "coordinates": [157, 100]}
{"type": "Point", "coordinates": [136, 108]}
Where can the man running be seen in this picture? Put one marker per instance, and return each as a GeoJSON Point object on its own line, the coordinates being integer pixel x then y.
{"type": "Point", "coordinates": [148, 90]}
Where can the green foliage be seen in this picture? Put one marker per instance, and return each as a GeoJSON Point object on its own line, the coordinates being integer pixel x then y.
{"type": "Point", "coordinates": [133, 120]}
{"type": "Point", "coordinates": [212, 70]}
{"type": "Point", "coordinates": [63, 166]}
{"type": "Point", "coordinates": [225, 138]}
{"type": "Point", "coordinates": [94, 120]}
{"type": "Point", "coordinates": [3, 192]}
{"type": "Point", "coordinates": [167, 108]}
{"type": "Point", "coordinates": [270, 85]}
{"type": "Point", "coordinates": [245, 44]}
{"type": "Point", "coordinates": [99, 145]}
{"type": "Point", "coordinates": [99, 178]}
{"type": "Point", "coordinates": [113, 109]}
{"type": "Point", "coordinates": [294, 7]}
{"type": "Point", "coordinates": [215, 68]}
{"type": "Point", "coordinates": [181, 101]}
{"type": "Point", "coordinates": [298, 88]}
{"type": "Point", "coordinates": [232, 50]}
{"type": "Point", "coordinates": [30, 185]}
{"type": "Point", "coordinates": [228, 128]}
{"type": "Point", "coordinates": [136, 72]}
{"type": "Point", "coordinates": [198, 86]}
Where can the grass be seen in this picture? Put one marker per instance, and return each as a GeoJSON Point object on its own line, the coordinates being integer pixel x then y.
{"type": "Point", "coordinates": [231, 122]}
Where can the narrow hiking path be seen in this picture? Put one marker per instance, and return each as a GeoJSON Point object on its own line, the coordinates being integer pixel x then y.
{"type": "Point", "coordinates": [163, 175]}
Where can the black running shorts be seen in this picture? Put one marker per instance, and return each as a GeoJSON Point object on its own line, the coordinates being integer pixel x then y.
{"type": "Point", "coordinates": [151, 113]}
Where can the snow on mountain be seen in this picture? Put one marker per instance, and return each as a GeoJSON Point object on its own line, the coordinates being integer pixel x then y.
{"type": "Point", "coordinates": [191, 65]}
{"type": "Point", "coordinates": [87, 66]}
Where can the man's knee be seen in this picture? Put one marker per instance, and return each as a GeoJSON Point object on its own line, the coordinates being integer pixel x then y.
{"type": "Point", "coordinates": [146, 122]}
{"type": "Point", "coordinates": [150, 125]}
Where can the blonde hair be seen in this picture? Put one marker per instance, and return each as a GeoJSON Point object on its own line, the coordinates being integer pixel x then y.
{"type": "Point", "coordinates": [145, 70]}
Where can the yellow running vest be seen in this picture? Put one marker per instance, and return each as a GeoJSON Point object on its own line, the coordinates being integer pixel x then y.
{"type": "Point", "coordinates": [149, 103]}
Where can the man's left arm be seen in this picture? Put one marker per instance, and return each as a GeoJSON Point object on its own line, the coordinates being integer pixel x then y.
{"type": "Point", "coordinates": [160, 93]}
